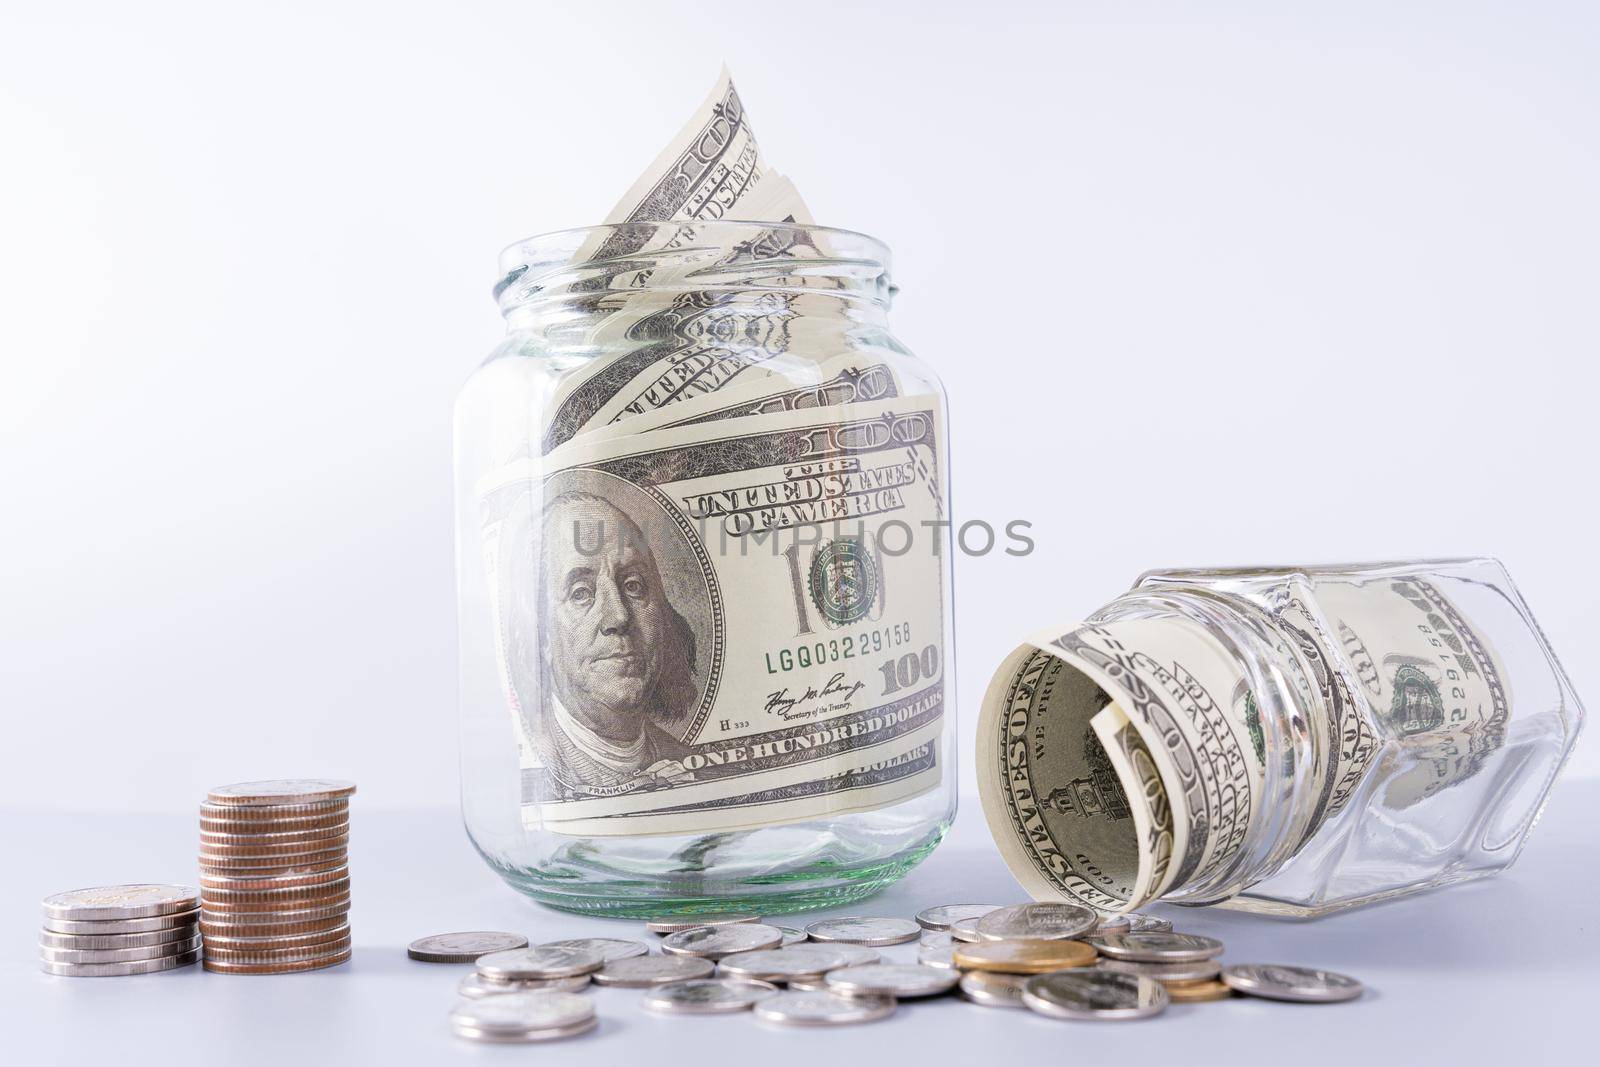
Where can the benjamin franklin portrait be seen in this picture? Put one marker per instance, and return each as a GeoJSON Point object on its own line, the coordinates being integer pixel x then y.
{"type": "Point", "coordinates": [608, 679]}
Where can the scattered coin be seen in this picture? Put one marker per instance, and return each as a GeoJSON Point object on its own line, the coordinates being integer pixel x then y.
{"type": "Point", "coordinates": [808, 985]}
{"type": "Point", "coordinates": [714, 942]}
{"type": "Point", "coordinates": [537, 962]}
{"type": "Point", "coordinates": [1038, 921]}
{"type": "Point", "coordinates": [805, 1008]}
{"type": "Point", "coordinates": [108, 970]}
{"type": "Point", "coordinates": [942, 917]}
{"type": "Point", "coordinates": [1158, 946]}
{"type": "Point", "coordinates": [1193, 971]}
{"type": "Point", "coordinates": [539, 1015]}
{"type": "Point", "coordinates": [966, 929]}
{"type": "Point", "coordinates": [640, 972]}
{"type": "Point", "coordinates": [476, 985]}
{"type": "Point", "coordinates": [610, 948]}
{"type": "Point", "coordinates": [936, 953]}
{"type": "Point", "coordinates": [1023, 957]}
{"type": "Point", "coordinates": [1145, 924]}
{"type": "Point", "coordinates": [993, 990]}
{"type": "Point", "coordinates": [791, 936]}
{"type": "Point", "coordinates": [120, 902]}
{"type": "Point", "coordinates": [865, 930]}
{"type": "Point", "coordinates": [854, 955]}
{"type": "Point", "coordinates": [673, 924]}
{"type": "Point", "coordinates": [280, 792]}
{"type": "Point", "coordinates": [783, 964]}
{"type": "Point", "coordinates": [903, 981]}
{"type": "Point", "coordinates": [463, 947]}
{"type": "Point", "coordinates": [1196, 992]}
{"type": "Point", "coordinates": [1093, 995]}
{"type": "Point", "coordinates": [1279, 981]}
{"type": "Point", "coordinates": [1113, 924]}
{"type": "Point", "coordinates": [708, 996]}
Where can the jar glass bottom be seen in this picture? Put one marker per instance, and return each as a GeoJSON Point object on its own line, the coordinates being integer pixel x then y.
{"type": "Point", "coordinates": [746, 871]}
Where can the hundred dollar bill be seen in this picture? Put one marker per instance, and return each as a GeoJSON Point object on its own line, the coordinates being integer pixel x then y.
{"type": "Point", "coordinates": [844, 380]}
{"type": "Point", "coordinates": [1125, 758]}
{"type": "Point", "coordinates": [666, 326]}
{"type": "Point", "coordinates": [705, 627]}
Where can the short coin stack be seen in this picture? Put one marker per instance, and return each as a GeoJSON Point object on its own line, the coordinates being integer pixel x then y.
{"type": "Point", "coordinates": [120, 930]}
{"type": "Point", "coordinates": [274, 876]}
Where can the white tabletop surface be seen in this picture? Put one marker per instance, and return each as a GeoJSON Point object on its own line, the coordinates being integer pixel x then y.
{"type": "Point", "coordinates": [1502, 970]}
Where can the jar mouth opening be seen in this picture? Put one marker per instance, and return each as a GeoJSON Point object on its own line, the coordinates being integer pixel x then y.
{"type": "Point", "coordinates": [693, 256]}
{"type": "Point", "coordinates": [553, 243]}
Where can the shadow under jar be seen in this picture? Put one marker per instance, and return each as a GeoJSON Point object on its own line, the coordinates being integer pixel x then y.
{"type": "Point", "coordinates": [705, 634]}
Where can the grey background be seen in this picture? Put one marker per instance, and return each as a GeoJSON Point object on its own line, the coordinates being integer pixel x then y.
{"type": "Point", "coordinates": [1216, 283]}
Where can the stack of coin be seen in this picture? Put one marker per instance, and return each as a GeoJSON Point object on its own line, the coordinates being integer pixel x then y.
{"type": "Point", "coordinates": [120, 930]}
{"type": "Point", "coordinates": [274, 876]}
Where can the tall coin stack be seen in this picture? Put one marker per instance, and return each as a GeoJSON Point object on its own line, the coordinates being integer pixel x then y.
{"type": "Point", "coordinates": [274, 876]}
{"type": "Point", "coordinates": [119, 930]}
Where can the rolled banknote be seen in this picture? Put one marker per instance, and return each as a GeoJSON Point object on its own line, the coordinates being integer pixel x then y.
{"type": "Point", "coordinates": [1126, 758]}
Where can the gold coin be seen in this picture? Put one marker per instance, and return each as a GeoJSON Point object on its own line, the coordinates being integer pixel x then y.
{"type": "Point", "coordinates": [277, 954]}
{"type": "Point", "coordinates": [1023, 957]}
{"type": "Point", "coordinates": [213, 909]}
{"type": "Point", "coordinates": [271, 925]}
{"type": "Point", "coordinates": [227, 967]}
{"type": "Point", "coordinates": [271, 881]}
{"type": "Point", "coordinates": [335, 882]}
{"type": "Point", "coordinates": [248, 849]}
{"type": "Point", "coordinates": [1194, 992]}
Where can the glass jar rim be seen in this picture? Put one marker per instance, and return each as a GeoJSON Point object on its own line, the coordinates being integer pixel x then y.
{"type": "Point", "coordinates": [553, 242]}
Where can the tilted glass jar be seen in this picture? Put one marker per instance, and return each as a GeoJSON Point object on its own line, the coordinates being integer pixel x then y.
{"type": "Point", "coordinates": [705, 635]}
{"type": "Point", "coordinates": [1300, 740]}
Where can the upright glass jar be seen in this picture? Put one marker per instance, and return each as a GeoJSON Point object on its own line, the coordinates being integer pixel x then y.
{"type": "Point", "coordinates": [705, 634]}
{"type": "Point", "coordinates": [1289, 740]}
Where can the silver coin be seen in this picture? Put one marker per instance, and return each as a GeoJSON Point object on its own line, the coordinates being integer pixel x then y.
{"type": "Point", "coordinates": [1049, 921]}
{"type": "Point", "coordinates": [476, 985]}
{"type": "Point", "coordinates": [865, 930]}
{"type": "Point", "coordinates": [903, 981]}
{"type": "Point", "coordinates": [708, 996]}
{"type": "Point", "coordinates": [123, 926]}
{"type": "Point", "coordinates": [937, 954]}
{"type": "Point", "coordinates": [50, 939]}
{"type": "Point", "coordinates": [808, 985]}
{"type": "Point", "coordinates": [1113, 924]}
{"type": "Point", "coordinates": [966, 929]}
{"type": "Point", "coordinates": [610, 948]}
{"type": "Point", "coordinates": [791, 936]}
{"type": "Point", "coordinates": [1158, 946]}
{"type": "Point", "coordinates": [502, 1037]}
{"type": "Point", "coordinates": [855, 955]}
{"type": "Point", "coordinates": [993, 990]}
{"type": "Point", "coordinates": [538, 961]}
{"type": "Point", "coordinates": [783, 964]}
{"type": "Point", "coordinates": [944, 916]}
{"type": "Point", "coordinates": [806, 1008]}
{"type": "Point", "coordinates": [283, 791]}
{"type": "Point", "coordinates": [119, 955]}
{"type": "Point", "coordinates": [1191, 971]}
{"type": "Point", "coordinates": [1146, 924]}
{"type": "Point", "coordinates": [522, 1013]}
{"type": "Point", "coordinates": [138, 901]}
{"type": "Point", "coordinates": [640, 972]}
{"type": "Point", "coordinates": [1090, 994]}
{"type": "Point", "coordinates": [108, 970]}
{"type": "Point", "coordinates": [464, 946]}
{"type": "Point", "coordinates": [1280, 981]}
{"type": "Point", "coordinates": [714, 942]}
{"type": "Point", "coordinates": [672, 924]}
